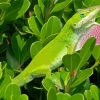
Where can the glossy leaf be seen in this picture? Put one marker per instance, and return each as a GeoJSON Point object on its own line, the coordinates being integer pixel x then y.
{"type": "Point", "coordinates": [52, 26]}
{"type": "Point", "coordinates": [23, 97]}
{"type": "Point", "coordinates": [63, 96]}
{"type": "Point", "coordinates": [3, 84]}
{"type": "Point", "coordinates": [17, 9]}
{"type": "Point", "coordinates": [71, 61]}
{"type": "Point", "coordinates": [17, 45]}
{"type": "Point", "coordinates": [47, 84]}
{"type": "Point", "coordinates": [35, 48]}
{"type": "Point", "coordinates": [82, 76]}
{"type": "Point", "coordinates": [1, 71]}
{"type": "Point", "coordinates": [33, 25]}
{"type": "Point", "coordinates": [51, 94]}
{"type": "Point", "coordinates": [60, 6]}
{"type": "Point", "coordinates": [90, 3]}
{"type": "Point", "coordinates": [65, 76]}
{"type": "Point", "coordinates": [12, 92]}
{"type": "Point", "coordinates": [44, 32]}
{"type": "Point", "coordinates": [77, 4]}
{"type": "Point", "coordinates": [42, 6]}
{"type": "Point", "coordinates": [97, 91]}
{"type": "Point", "coordinates": [4, 5]}
{"type": "Point", "coordinates": [96, 53]}
{"type": "Point", "coordinates": [38, 13]}
{"type": "Point", "coordinates": [49, 38]}
{"type": "Point", "coordinates": [90, 94]}
{"type": "Point", "coordinates": [86, 51]}
{"type": "Point", "coordinates": [3, 65]}
{"type": "Point", "coordinates": [25, 53]}
{"type": "Point", "coordinates": [56, 79]}
{"type": "Point", "coordinates": [77, 97]}
{"type": "Point", "coordinates": [11, 59]}
{"type": "Point", "coordinates": [26, 29]}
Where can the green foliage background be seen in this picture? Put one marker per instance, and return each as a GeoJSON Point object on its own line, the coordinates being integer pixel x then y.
{"type": "Point", "coordinates": [26, 26]}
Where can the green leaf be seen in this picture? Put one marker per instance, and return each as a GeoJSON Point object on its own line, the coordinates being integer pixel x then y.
{"type": "Point", "coordinates": [98, 18]}
{"type": "Point", "coordinates": [35, 48]}
{"type": "Point", "coordinates": [25, 53]}
{"type": "Point", "coordinates": [77, 96]}
{"type": "Point", "coordinates": [21, 49]}
{"type": "Point", "coordinates": [67, 13]}
{"type": "Point", "coordinates": [78, 4]}
{"type": "Point", "coordinates": [65, 76]}
{"type": "Point", "coordinates": [17, 9]}
{"type": "Point", "coordinates": [38, 13]}
{"type": "Point", "coordinates": [56, 79]}
{"type": "Point", "coordinates": [2, 67]}
{"type": "Point", "coordinates": [52, 26]}
{"type": "Point", "coordinates": [5, 1]}
{"type": "Point", "coordinates": [82, 76]}
{"type": "Point", "coordinates": [96, 52]}
{"type": "Point", "coordinates": [44, 32]}
{"type": "Point", "coordinates": [11, 59]}
{"type": "Point", "coordinates": [17, 45]}
{"type": "Point", "coordinates": [95, 94]}
{"type": "Point", "coordinates": [47, 84]}
{"type": "Point", "coordinates": [60, 6]}
{"type": "Point", "coordinates": [12, 92]}
{"type": "Point", "coordinates": [33, 25]}
{"type": "Point", "coordinates": [41, 5]}
{"type": "Point", "coordinates": [9, 71]}
{"type": "Point", "coordinates": [90, 3]}
{"type": "Point", "coordinates": [23, 97]}
{"type": "Point", "coordinates": [49, 38]}
{"type": "Point", "coordinates": [51, 94]}
{"type": "Point", "coordinates": [90, 94]}
{"type": "Point", "coordinates": [4, 5]}
{"type": "Point", "coordinates": [86, 51]}
{"type": "Point", "coordinates": [1, 73]}
{"type": "Point", "coordinates": [71, 61]}
{"type": "Point", "coordinates": [1, 39]}
{"type": "Point", "coordinates": [4, 83]}
{"type": "Point", "coordinates": [26, 29]}
{"type": "Point", "coordinates": [63, 96]}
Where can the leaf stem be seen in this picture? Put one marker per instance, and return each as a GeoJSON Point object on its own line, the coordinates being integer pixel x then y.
{"type": "Point", "coordinates": [16, 28]}
{"type": "Point", "coordinates": [95, 64]}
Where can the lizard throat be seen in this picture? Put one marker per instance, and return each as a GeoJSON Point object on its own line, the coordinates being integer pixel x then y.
{"type": "Point", "coordinates": [93, 31]}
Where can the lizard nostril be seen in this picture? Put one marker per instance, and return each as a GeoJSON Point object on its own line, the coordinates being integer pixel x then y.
{"type": "Point", "coordinates": [74, 24]}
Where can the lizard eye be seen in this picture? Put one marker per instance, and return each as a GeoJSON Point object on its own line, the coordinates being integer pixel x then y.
{"type": "Point", "coordinates": [82, 15]}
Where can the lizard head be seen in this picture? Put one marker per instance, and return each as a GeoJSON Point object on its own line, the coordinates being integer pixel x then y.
{"type": "Point", "coordinates": [86, 26]}
{"type": "Point", "coordinates": [85, 17]}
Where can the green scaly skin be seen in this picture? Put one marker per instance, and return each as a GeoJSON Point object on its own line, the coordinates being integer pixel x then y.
{"type": "Point", "coordinates": [50, 57]}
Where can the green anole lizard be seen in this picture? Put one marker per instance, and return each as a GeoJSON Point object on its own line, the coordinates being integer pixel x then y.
{"type": "Point", "coordinates": [50, 57]}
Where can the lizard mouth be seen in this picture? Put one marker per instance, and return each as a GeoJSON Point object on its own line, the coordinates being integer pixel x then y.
{"type": "Point", "coordinates": [93, 31]}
